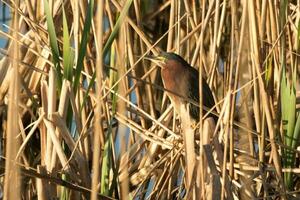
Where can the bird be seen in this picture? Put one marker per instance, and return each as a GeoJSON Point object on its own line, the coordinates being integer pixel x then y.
{"type": "Point", "coordinates": [181, 82]}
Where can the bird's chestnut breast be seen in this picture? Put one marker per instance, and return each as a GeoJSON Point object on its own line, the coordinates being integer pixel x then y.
{"type": "Point", "coordinates": [174, 76]}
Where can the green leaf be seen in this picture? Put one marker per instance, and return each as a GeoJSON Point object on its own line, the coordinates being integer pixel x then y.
{"type": "Point", "coordinates": [53, 42]}
{"type": "Point", "coordinates": [83, 44]}
{"type": "Point", "coordinates": [295, 141]}
{"type": "Point", "coordinates": [288, 109]}
{"type": "Point", "coordinates": [106, 163]}
{"type": "Point", "coordinates": [117, 26]}
{"type": "Point", "coordinates": [269, 70]}
{"type": "Point", "coordinates": [68, 54]}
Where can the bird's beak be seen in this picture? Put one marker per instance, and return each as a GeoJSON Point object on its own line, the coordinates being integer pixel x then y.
{"type": "Point", "coordinates": [158, 60]}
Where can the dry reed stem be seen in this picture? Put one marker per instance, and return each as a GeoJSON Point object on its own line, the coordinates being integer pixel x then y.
{"type": "Point", "coordinates": [189, 145]}
{"type": "Point", "coordinates": [12, 181]}
{"type": "Point", "coordinates": [265, 98]}
{"type": "Point", "coordinates": [98, 135]}
{"type": "Point", "coordinates": [233, 44]}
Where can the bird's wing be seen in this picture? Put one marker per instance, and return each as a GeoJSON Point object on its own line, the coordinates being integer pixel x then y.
{"type": "Point", "coordinates": [208, 100]}
{"type": "Point", "coordinates": [193, 93]}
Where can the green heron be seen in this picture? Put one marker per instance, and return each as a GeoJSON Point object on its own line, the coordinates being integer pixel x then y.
{"type": "Point", "coordinates": [181, 82]}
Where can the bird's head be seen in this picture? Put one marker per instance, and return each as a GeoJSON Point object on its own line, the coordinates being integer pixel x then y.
{"type": "Point", "coordinates": [163, 58]}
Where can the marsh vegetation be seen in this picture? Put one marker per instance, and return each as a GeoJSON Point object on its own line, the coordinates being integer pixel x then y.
{"type": "Point", "coordinates": [85, 116]}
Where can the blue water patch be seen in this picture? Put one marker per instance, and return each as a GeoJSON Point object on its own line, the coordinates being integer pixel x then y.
{"type": "Point", "coordinates": [5, 18]}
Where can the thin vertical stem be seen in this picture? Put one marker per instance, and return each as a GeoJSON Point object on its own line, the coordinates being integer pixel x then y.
{"type": "Point", "coordinates": [12, 183]}
{"type": "Point", "coordinates": [98, 131]}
